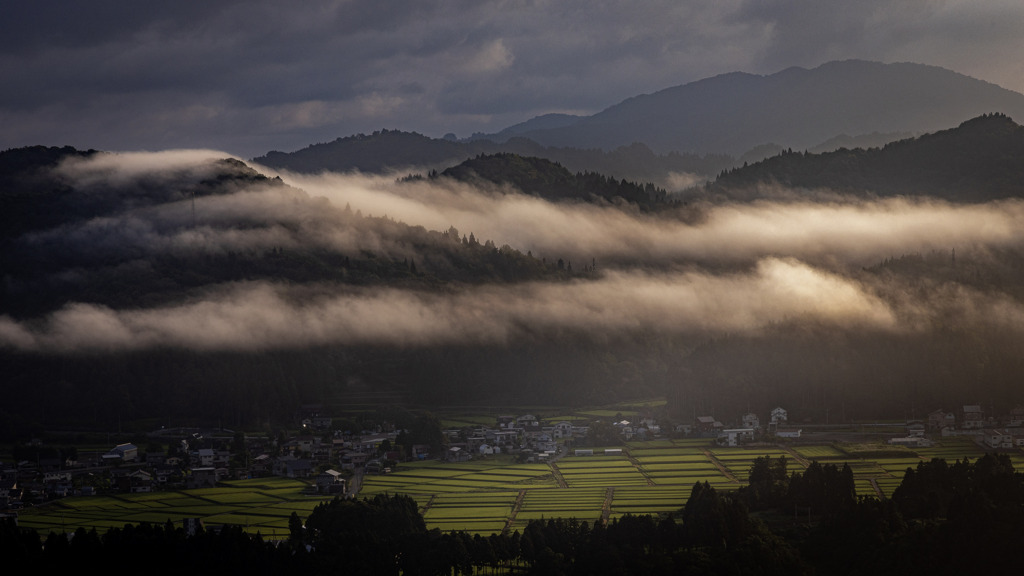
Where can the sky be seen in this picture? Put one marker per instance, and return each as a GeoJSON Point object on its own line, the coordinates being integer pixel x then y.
{"type": "Point", "coordinates": [249, 77]}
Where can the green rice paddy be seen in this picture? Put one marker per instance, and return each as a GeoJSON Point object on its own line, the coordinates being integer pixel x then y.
{"type": "Point", "coordinates": [486, 496]}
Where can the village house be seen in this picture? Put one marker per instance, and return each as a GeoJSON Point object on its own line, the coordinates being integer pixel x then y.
{"type": "Point", "coordinates": [293, 467]}
{"type": "Point", "coordinates": [330, 482]}
{"type": "Point", "coordinates": [351, 460]}
{"type": "Point", "coordinates": [779, 416]}
{"type": "Point", "coordinates": [303, 444]}
{"type": "Point", "coordinates": [916, 428]}
{"type": "Point", "coordinates": [528, 422]}
{"type": "Point", "coordinates": [625, 428]}
{"type": "Point", "coordinates": [562, 429]}
{"type": "Point", "coordinates": [204, 477]}
{"type": "Point", "coordinates": [458, 454]}
{"type": "Point", "coordinates": [911, 442]}
{"type": "Point", "coordinates": [707, 426]}
{"type": "Point", "coordinates": [750, 420]}
{"type": "Point", "coordinates": [735, 436]}
{"type": "Point", "coordinates": [974, 417]}
{"type": "Point", "coordinates": [164, 474]}
{"type": "Point", "coordinates": [123, 452]}
{"type": "Point", "coordinates": [140, 481]}
{"type": "Point", "coordinates": [940, 419]}
{"type": "Point", "coordinates": [1003, 438]}
{"type": "Point", "coordinates": [1016, 417]}
{"type": "Point", "coordinates": [9, 492]}
{"type": "Point", "coordinates": [203, 458]}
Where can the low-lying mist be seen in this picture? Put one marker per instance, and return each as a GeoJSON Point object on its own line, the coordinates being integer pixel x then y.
{"type": "Point", "coordinates": [701, 269]}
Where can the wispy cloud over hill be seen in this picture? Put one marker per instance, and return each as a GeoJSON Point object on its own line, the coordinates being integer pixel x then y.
{"type": "Point", "coordinates": [706, 270]}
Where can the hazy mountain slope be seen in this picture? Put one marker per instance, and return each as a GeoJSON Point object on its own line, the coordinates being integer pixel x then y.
{"type": "Point", "coordinates": [551, 181]}
{"type": "Point", "coordinates": [795, 108]}
{"type": "Point", "coordinates": [76, 230]}
{"type": "Point", "coordinates": [980, 160]}
{"type": "Point", "coordinates": [388, 151]}
{"type": "Point", "coordinates": [543, 122]}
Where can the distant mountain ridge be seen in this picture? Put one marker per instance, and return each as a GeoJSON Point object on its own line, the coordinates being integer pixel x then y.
{"type": "Point", "coordinates": [795, 108]}
{"type": "Point", "coordinates": [698, 129]}
{"type": "Point", "coordinates": [394, 150]}
{"type": "Point", "coordinates": [553, 182]}
{"type": "Point", "coordinates": [980, 160]}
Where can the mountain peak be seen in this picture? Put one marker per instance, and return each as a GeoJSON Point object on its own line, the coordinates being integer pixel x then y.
{"type": "Point", "coordinates": [795, 108]}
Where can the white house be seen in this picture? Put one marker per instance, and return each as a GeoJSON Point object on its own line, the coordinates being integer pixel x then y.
{"type": "Point", "coordinates": [750, 420]}
{"type": "Point", "coordinates": [779, 416]}
{"type": "Point", "coordinates": [998, 438]}
{"type": "Point", "coordinates": [562, 429]}
{"type": "Point", "coordinates": [735, 436]}
{"type": "Point", "coordinates": [974, 417]}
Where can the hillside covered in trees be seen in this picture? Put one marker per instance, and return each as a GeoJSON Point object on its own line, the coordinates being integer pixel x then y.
{"type": "Point", "coordinates": [980, 160]}
{"type": "Point", "coordinates": [551, 181]}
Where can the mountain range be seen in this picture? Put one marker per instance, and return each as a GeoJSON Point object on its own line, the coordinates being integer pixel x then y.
{"type": "Point", "coordinates": [133, 284]}
{"type": "Point", "coordinates": [685, 135]}
{"type": "Point", "coordinates": [795, 108]}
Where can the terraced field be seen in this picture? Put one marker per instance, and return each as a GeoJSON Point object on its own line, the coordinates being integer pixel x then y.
{"type": "Point", "coordinates": [262, 506]}
{"type": "Point", "coordinates": [490, 495]}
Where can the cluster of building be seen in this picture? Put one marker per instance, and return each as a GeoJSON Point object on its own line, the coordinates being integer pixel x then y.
{"type": "Point", "coordinates": [750, 428]}
{"type": "Point", "coordinates": [971, 420]}
{"type": "Point", "coordinates": [524, 435]}
{"type": "Point", "coordinates": [126, 469]}
{"type": "Point", "coordinates": [201, 458]}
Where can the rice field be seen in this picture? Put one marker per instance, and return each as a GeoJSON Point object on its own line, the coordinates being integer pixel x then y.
{"type": "Point", "coordinates": [261, 506]}
{"type": "Point", "coordinates": [487, 496]}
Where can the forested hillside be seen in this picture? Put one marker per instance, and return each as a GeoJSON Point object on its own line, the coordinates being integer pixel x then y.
{"type": "Point", "coordinates": [551, 181]}
{"type": "Point", "coordinates": [980, 160]}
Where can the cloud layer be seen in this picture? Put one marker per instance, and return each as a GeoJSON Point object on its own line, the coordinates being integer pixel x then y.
{"type": "Point", "coordinates": [254, 76]}
{"type": "Point", "coordinates": [708, 270]}
{"type": "Point", "coordinates": [261, 316]}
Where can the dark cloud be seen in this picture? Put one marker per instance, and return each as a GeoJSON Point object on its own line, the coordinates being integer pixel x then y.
{"type": "Point", "coordinates": [254, 76]}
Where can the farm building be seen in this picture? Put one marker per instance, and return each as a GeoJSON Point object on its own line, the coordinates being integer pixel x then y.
{"type": "Point", "coordinates": [735, 436]}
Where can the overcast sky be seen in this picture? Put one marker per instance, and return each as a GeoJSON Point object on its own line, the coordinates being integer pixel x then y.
{"type": "Point", "coordinates": [248, 77]}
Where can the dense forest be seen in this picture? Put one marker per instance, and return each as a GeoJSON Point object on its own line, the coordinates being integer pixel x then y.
{"type": "Point", "coordinates": [944, 518]}
{"type": "Point", "coordinates": [980, 160]}
{"type": "Point", "coordinates": [552, 181]}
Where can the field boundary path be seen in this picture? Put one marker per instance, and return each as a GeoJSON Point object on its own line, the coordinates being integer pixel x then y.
{"type": "Point", "coordinates": [878, 489]}
{"type": "Point", "coordinates": [515, 511]}
{"type": "Point", "coordinates": [796, 455]}
{"type": "Point", "coordinates": [639, 468]}
{"type": "Point", "coordinates": [558, 475]}
{"type": "Point", "coordinates": [428, 504]}
{"type": "Point", "coordinates": [606, 508]}
{"type": "Point", "coordinates": [718, 464]}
